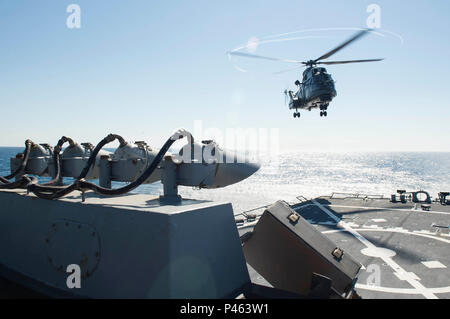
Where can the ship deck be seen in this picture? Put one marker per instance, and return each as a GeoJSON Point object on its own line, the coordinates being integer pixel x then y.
{"type": "Point", "coordinates": [404, 250]}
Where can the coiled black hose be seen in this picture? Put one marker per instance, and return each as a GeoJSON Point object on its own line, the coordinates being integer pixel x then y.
{"type": "Point", "coordinates": [5, 182]}
{"type": "Point", "coordinates": [54, 192]}
{"type": "Point", "coordinates": [56, 160]}
{"type": "Point", "coordinates": [27, 180]}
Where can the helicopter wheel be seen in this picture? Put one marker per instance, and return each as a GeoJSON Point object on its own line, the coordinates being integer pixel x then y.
{"type": "Point", "coordinates": [321, 113]}
{"type": "Point", "coordinates": [325, 113]}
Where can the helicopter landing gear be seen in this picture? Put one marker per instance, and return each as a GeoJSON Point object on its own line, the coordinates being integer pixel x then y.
{"type": "Point", "coordinates": [323, 113]}
{"type": "Point", "coordinates": [296, 114]}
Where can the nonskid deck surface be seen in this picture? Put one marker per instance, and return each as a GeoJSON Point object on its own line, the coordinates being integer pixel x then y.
{"type": "Point", "coordinates": [405, 251]}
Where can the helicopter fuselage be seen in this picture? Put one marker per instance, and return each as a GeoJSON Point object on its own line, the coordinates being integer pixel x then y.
{"type": "Point", "coordinates": [316, 90]}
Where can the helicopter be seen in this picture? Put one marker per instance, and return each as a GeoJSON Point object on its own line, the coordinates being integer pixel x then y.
{"type": "Point", "coordinates": [317, 88]}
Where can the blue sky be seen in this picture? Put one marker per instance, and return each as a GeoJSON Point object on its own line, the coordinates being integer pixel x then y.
{"type": "Point", "coordinates": [143, 68]}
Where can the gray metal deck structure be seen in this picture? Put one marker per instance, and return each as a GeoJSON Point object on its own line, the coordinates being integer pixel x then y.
{"type": "Point", "coordinates": [404, 250]}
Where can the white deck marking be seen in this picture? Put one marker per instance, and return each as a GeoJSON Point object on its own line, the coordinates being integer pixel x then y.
{"type": "Point", "coordinates": [433, 264]}
{"type": "Point", "coordinates": [379, 220]}
{"type": "Point", "coordinates": [378, 252]}
{"type": "Point", "coordinates": [389, 208]}
{"type": "Point", "coordinates": [388, 260]}
{"type": "Point", "coordinates": [371, 226]}
{"type": "Point", "coordinates": [390, 230]}
{"type": "Point", "coordinates": [406, 291]}
{"type": "Point", "coordinates": [407, 275]}
{"type": "Point", "coordinates": [352, 224]}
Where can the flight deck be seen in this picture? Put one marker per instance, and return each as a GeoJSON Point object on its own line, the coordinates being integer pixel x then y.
{"type": "Point", "coordinates": [404, 248]}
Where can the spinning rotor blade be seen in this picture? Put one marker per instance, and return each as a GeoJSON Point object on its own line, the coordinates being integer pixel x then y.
{"type": "Point", "coordinates": [350, 61]}
{"type": "Point", "coordinates": [343, 45]}
{"type": "Point", "coordinates": [288, 70]}
{"type": "Point", "coordinates": [261, 57]}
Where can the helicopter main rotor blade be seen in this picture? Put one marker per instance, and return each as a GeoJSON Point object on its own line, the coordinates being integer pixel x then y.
{"type": "Point", "coordinates": [261, 57]}
{"type": "Point", "coordinates": [350, 61]}
{"type": "Point", "coordinates": [343, 45]}
{"type": "Point", "coordinates": [288, 70]}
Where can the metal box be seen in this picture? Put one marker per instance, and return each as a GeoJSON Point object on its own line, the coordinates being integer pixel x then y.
{"type": "Point", "coordinates": [286, 250]}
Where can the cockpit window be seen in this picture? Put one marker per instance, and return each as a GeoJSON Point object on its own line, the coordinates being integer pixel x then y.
{"type": "Point", "coordinates": [319, 71]}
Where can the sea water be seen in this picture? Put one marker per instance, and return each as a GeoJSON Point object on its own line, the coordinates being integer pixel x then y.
{"type": "Point", "coordinates": [314, 174]}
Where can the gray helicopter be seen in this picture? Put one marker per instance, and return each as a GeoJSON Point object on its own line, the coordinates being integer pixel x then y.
{"type": "Point", "coordinates": [317, 89]}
